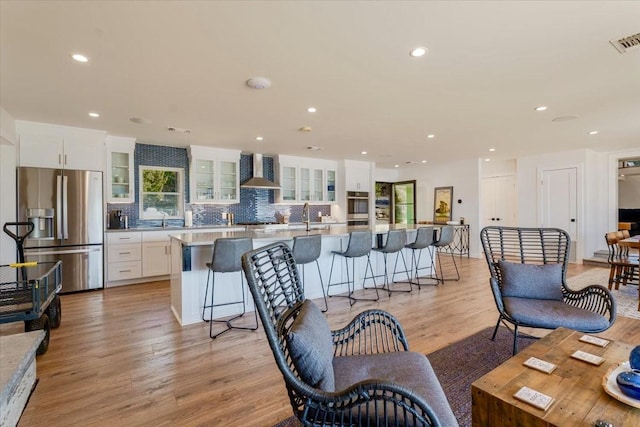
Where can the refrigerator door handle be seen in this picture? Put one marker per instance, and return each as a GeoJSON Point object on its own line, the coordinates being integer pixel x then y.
{"type": "Point", "coordinates": [65, 224]}
{"type": "Point", "coordinates": [59, 207]}
{"type": "Point", "coordinates": [63, 252]}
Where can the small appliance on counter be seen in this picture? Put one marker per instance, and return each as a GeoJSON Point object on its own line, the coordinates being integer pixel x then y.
{"type": "Point", "coordinates": [116, 221]}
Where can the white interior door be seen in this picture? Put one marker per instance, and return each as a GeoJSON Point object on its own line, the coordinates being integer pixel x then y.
{"type": "Point", "coordinates": [559, 200]}
{"type": "Point", "coordinates": [499, 201]}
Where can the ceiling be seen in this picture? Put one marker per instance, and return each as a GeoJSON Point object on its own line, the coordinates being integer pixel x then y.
{"type": "Point", "coordinates": [184, 64]}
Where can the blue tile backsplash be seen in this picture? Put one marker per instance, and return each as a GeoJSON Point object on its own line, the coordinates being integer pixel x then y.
{"type": "Point", "coordinates": [255, 205]}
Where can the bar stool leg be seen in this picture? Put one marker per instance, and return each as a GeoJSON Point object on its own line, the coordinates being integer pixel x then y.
{"type": "Point", "coordinates": [442, 279]}
{"type": "Point", "coordinates": [434, 272]}
{"type": "Point", "coordinates": [351, 287]}
{"type": "Point", "coordinates": [324, 294]}
{"type": "Point", "coordinates": [406, 271]}
{"type": "Point", "coordinates": [228, 321]}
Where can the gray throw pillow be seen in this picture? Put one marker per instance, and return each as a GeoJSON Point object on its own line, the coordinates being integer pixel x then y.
{"type": "Point", "coordinates": [531, 280]}
{"type": "Point", "coordinates": [311, 346]}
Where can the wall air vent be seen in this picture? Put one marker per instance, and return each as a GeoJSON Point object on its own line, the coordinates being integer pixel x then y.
{"type": "Point", "coordinates": [626, 44]}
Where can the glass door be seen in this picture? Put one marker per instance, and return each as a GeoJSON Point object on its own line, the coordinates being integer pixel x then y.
{"type": "Point", "coordinates": [404, 201]}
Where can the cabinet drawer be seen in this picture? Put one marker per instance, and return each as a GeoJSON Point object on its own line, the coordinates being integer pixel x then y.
{"type": "Point", "coordinates": [124, 270]}
{"type": "Point", "coordinates": [121, 253]}
{"type": "Point", "coordinates": [158, 236]}
{"type": "Point", "coordinates": [124, 237]}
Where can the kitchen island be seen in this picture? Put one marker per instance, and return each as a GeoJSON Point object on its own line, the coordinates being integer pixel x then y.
{"type": "Point", "coordinates": [191, 251]}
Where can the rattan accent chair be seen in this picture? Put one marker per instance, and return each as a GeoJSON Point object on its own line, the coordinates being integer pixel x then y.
{"type": "Point", "coordinates": [360, 375]}
{"type": "Point", "coordinates": [528, 278]}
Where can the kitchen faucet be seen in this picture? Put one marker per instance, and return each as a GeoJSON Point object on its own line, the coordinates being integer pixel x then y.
{"type": "Point", "coordinates": [305, 215]}
{"type": "Point", "coordinates": [164, 219]}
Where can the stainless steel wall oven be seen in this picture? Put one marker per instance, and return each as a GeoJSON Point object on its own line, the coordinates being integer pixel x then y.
{"type": "Point", "coordinates": [357, 208]}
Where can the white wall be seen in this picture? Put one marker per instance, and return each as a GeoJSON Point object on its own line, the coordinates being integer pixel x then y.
{"type": "Point", "coordinates": [8, 143]}
{"type": "Point", "coordinates": [387, 175]}
{"type": "Point", "coordinates": [629, 192]}
{"type": "Point", "coordinates": [463, 176]}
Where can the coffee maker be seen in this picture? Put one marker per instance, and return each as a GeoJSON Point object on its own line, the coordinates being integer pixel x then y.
{"type": "Point", "coordinates": [115, 220]}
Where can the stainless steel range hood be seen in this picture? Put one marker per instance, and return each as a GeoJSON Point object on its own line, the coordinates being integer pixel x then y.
{"type": "Point", "coordinates": [258, 180]}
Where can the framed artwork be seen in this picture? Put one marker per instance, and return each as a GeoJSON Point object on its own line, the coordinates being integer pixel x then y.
{"type": "Point", "coordinates": [442, 204]}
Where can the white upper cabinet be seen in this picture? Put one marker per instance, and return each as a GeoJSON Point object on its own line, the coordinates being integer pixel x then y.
{"type": "Point", "coordinates": [214, 175]}
{"type": "Point", "coordinates": [54, 146]}
{"type": "Point", "coordinates": [120, 178]}
{"type": "Point", "coordinates": [357, 175]}
{"type": "Point", "coordinates": [306, 180]}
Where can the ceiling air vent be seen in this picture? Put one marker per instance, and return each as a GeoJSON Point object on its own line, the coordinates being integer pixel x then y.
{"type": "Point", "coordinates": [625, 44]}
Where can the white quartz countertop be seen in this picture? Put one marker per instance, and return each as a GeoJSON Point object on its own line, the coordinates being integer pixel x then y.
{"type": "Point", "coordinates": [281, 234]}
{"type": "Point", "coordinates": [171, 228]}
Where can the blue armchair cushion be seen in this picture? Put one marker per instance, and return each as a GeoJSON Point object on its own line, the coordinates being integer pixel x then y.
{"type": "Point", "coordinates": [404, 368]}
{"type": "Point", "coordinates": [536, 281]}
{"type": "Point", "coordinates": [311, 346]}
{"type": "Point", "coordinates": [551, 314]}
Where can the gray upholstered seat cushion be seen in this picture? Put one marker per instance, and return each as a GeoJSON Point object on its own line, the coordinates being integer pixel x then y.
{"type": "Point", "coordinates": [539, 281]}
{"type": "Point", "coordinates": [311, 346]}
{"type": "Point", "coordinates": [409, 369]}
{"type": "Point", "coordinates": [553, 314]}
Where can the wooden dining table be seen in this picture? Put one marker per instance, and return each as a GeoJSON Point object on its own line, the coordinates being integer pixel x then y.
{"type": "Point", "coordinates": [631, 242]}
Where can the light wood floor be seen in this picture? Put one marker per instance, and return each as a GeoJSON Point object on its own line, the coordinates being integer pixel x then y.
{"type": "Point", "coordinates": [121, 359]}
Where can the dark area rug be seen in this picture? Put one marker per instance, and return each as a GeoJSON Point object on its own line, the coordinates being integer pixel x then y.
{"type": "Point", "coordinates": [460, 364]}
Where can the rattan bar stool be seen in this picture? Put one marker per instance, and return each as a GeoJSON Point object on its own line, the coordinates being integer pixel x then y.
{"type": "Point", "coordinates": [424, 240]}
{"type": "Point", "coordinates": [359, 245]}
{"type": "Point", "coordinates": [227, 258]}
{"type": "Point", "coordinates": [306, 249]}
{"type": "Point", "coordinates": [396, 239]}
{"type": "Point", "coordinates": [442, 245]}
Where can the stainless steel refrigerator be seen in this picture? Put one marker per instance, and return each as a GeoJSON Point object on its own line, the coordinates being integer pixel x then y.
{"type": "Point", "coordinates": [65, 207]}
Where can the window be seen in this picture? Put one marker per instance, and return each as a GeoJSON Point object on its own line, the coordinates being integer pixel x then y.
{"type": "Point", "coordinates": [161, 192]}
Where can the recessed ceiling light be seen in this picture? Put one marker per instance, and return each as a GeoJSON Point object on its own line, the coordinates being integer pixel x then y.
{"type": "Point", "coordinates": [424, 161]}
{"type": "Point", "coordinates": [541, 108]}
{"type": "Point", "coordinates": [259, 138]}
{"type": "Point", "coordinates": [312, 109]}
{"type": "Point", "coordinates": [364, 152]}
{"type": "Point", "coordinates": [79, 57]}
{"type": "Point", "coordinates": [396, 166]}
{"type": "Point", "coordinates": [492, 149]}
{"type": "Point", "coordinates": [593, 132]}
{"type": "Point", "coordinates": [418, 52]}
{"type": "Point", "coordinates": [94, 114]}
{"type": "Point", "coordinates": [431, 136]}
{"type": "Point", "coordinates": [487, 160]}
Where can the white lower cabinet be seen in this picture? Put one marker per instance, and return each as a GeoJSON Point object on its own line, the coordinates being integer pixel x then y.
{"type": "Point", "coordinates": [156, 254]}
{"type": "Point", "coordinates": [133, 256]}
{"type": "Point", "coordinates": [124, 256]}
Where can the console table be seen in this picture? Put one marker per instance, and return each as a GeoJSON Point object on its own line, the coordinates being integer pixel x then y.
{"type": "Point", "coordinates": [575, 385]}
{"type": "Point", "coordinates": [460, 244]}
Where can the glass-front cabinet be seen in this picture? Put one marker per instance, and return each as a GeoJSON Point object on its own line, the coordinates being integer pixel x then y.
{"type": "Point", "coordinates": [214, 175]}
{"type": "Point", "coordinates": [305, 180]}
{"type": "Point", "coordinates": [331, 185]}
{"type": "Point", "coordinates": [120, 174]}
{"type": "Point", "coordinates": [288, 183]}
{"type": "Point", "coordinates": [311, 185]}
